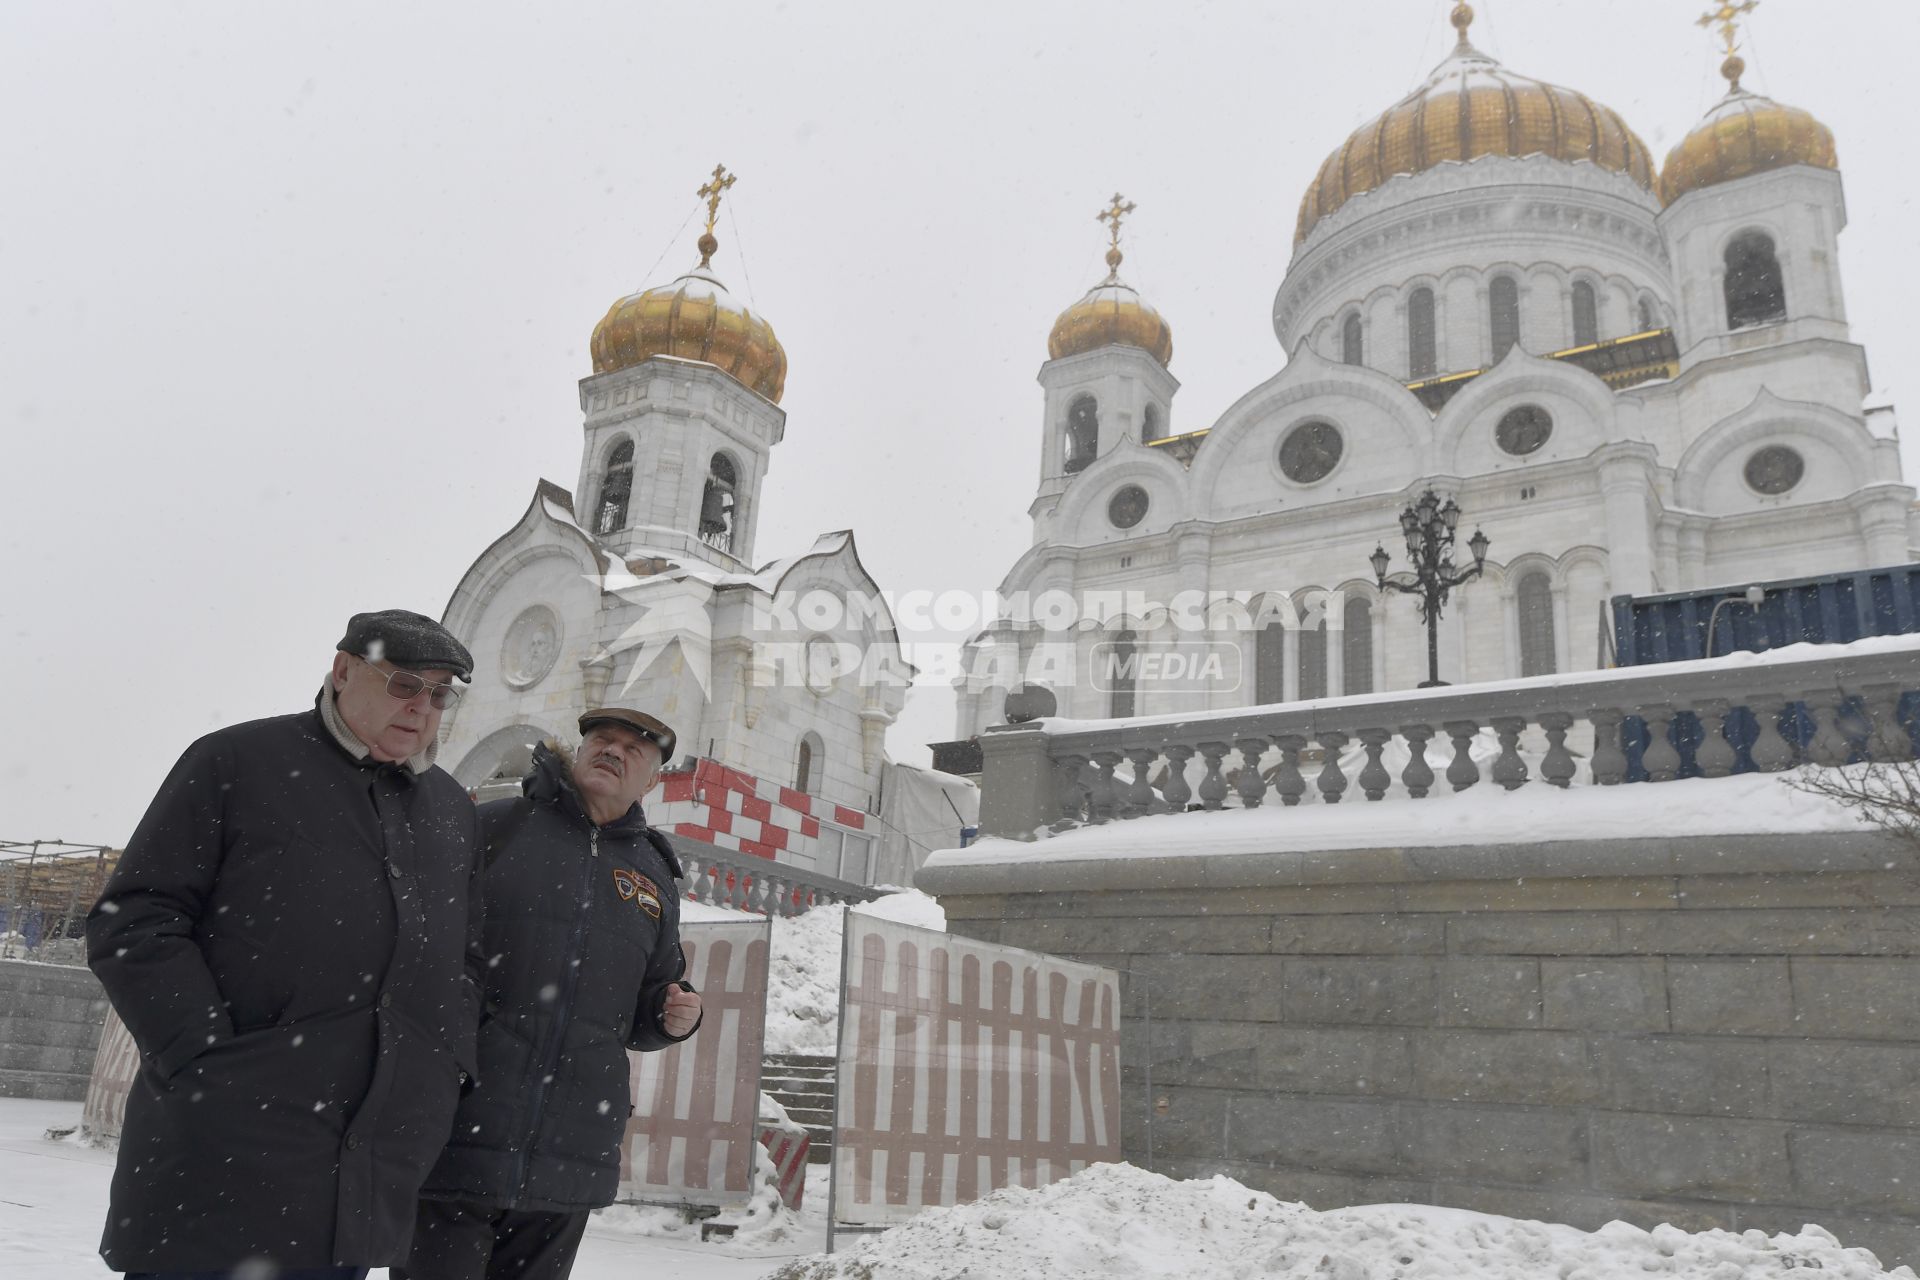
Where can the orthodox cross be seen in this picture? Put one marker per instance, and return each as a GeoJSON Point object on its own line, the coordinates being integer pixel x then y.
{"type": "Point", "coordinates": [1112, 215]}
{"type": "Point", "coordinates": [713, 190]}
{"type": "Point", "coordinates": [1727, 18]}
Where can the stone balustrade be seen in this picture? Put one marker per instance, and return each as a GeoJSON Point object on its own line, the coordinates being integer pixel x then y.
{"type": "Point", "coordinates": [1824, 705]}
{"type": "Point", "coordinates": [761, 886]}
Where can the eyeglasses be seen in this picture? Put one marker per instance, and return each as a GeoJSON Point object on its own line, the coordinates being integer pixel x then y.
{"type": "Point", "coordinates": [407, 686]}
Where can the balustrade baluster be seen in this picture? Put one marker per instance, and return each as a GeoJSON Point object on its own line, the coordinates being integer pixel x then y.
{"type": "Point", "coordinates": [1826, 708]}
{"type": "Point", "coordinates": [1661, 760]}
{"type": "Point", "coordinates": [1771, 751]}
{"type": "Point", "coordinates": [1418, 775]}
{"type": "Point", "coordinates": [1509, 770]}
{"type": "Point", "coordinates": [1103, 796]}
{"type": "Point", "coordinates": [1609, 759]}
{"type": "Point", "coordinates": [1557, 767]}
{"type": "Point", "coordinates": [1213, 787]}
{"type": "Point", "coordinates": [1251, 786]}
{"type": "Point", "coordinates": [1715, 755]}
{"type": "Point", "coordinates": [1137, 797]}
{"type": "Point", "coordinates": [1071, 787]}
{"type": "Point", "coordinates": [737, 899]}
{"type": "Point", "coordinates": [1890, 742]}
{"type": "Point", "coordinates": [1287, 780]}
{"type": "Point", "coordinates": [1374, 778]}
{"type": "Point", "coordinates": [1176, 793]}
{"type": "Point", "coordinates": [1462, 772]}
{"type": "Point", "coordinates": [1333, 779]}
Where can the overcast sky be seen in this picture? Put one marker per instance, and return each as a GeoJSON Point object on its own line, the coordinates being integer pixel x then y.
{"type": "Point", "coordinates": [294, 299]}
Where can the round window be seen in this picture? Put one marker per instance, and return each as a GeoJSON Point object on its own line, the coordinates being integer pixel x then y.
{"type": "Point", "coordinates": [1310, 452]}
{"type": "Point", "coordinates": [1775, 469]}
{"type": "Point", "coordinates": [1128, 507]}
{"type": "Point", "coordinates": [1524, 429]}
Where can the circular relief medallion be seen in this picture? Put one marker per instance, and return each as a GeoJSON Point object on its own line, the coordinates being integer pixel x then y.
{"type": "Point", "coordinates": [532, 647]}
{"type": "Point", "coordinates": [1775, 469]}
{"type": "Point", "coordinates": [1310, 452]}
{"type": "Point", "coordinates": [1128, 507]}
{"type": "Point", "coordinates": [1524, 429]}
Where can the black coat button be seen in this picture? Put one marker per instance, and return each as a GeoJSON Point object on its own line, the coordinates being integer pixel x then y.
{"type": "Point", "coordinates": [386, 999]}
{"type": "Point", "coordinates": [353, 1141]}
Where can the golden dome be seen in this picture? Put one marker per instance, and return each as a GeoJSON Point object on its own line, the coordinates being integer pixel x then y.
{"type": "Point", "coordinates": [1470, 107]}
{"type": "Point", "coordinates": [1744, 134]}
{"type": "Point", "coordinates": [693, 318]}
{"type": "Point", "coordinates": [1111, 314]}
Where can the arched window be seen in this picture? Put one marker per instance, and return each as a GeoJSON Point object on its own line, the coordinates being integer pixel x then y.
{"type": "Point", "coordinates": [1586, 315]}
{"type": "Point", "coordinates": [1269, 662]}
{"type": "Point", "coordinates": [616, 489]}
{"type": "Point", "coordinates": [718, 503]}
{"type": "Point", "coordinates": [806, 770]}
{"type": "Point", "coordinates": [1421, 359]}
{"type": "Point", "coordinates": [1313, 657]}
{"type": "Point", "coordinates": [1649, 317]}
{"type": "Point", "coordinates": [1350, 350]}
{"type": "Point", "coordinates": [1123, 680]}
{"type": "Point", "coordinates": [1755, 292]}
{"type": "Point", "coordinates": [1503, 310]}
{"type": "Point", "coordinates": [1083, 432]}
{"type": "Point", "coordinates": [1356, 646]}
{"type": "Point", "coordinates": [1150, 427]}
{"type": "Point", "coordinates": [1533, 597]}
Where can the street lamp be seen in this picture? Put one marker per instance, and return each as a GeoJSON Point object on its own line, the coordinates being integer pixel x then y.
{"type": "Point", "coordinates": [1429, 527]}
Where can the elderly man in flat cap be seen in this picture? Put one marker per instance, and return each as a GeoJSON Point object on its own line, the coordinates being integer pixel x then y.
{"type": "Point", "coordinates": [584, 918]}
{"type": "Point", "coordinates": [287, 939]}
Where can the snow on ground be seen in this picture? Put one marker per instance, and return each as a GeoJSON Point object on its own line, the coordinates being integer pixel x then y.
{"type": "Point", "coordinates": [1116, 1222]}
{"type": "Point", "coordinates": [1109, 1222]}
{"type": "Point", "coordinates": [53, 1201]}
{"type": "Point", "coordinates": [803, 1004]}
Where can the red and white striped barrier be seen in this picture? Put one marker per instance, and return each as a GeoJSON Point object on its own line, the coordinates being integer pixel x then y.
{"type": "Point", "coordinates": [789, 1148]}
{"type": "Point", "coordinates": [697, 1104]}
{"type": "Point", "coordinates": [115, 1065]}
{"type": "Point", "coordinates": [965, 1067]}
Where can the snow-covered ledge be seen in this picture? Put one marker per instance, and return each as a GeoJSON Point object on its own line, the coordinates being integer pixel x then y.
{"type": "Point", "coordinates": [1757, 713]}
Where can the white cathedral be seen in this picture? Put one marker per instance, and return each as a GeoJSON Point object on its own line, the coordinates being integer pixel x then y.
{"type": "Point", "coordinates": [1634, 380]}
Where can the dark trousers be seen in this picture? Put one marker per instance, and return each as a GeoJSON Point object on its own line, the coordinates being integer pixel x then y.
{"type": "Point", "coordinates": [455, 1241]}
{"type": "Point", "coordinates": [247, 1273]}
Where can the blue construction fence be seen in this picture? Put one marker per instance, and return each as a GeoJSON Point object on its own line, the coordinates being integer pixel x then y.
{"type": "Point", "coordinates": [1829, 609]}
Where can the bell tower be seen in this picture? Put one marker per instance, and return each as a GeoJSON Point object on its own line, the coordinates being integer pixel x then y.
{"type": "Point", "coordinates": [1105, 377]}
{"type": "Point", "coordinates": [682, 413]}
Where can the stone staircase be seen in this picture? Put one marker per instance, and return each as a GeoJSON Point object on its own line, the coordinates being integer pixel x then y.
{"type": "Point", "coordinates": [50, 1017]}
{"type": "Point", "coordinates": [803, 1084]}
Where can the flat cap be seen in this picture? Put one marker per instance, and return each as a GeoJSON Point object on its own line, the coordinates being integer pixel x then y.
{"type": "Point", "coordinates": [406, 640]}
{"type": "Point", "coordinates": [653, 730]}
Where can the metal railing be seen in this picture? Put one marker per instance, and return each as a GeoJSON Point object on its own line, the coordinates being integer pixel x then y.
{"type": "Point", "coordinates": [1819, 705]}
{"type": "Point", "coordinates": [46, 889]}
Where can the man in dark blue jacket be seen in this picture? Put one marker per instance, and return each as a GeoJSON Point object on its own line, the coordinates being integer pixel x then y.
{"type": "Point", "coordinates": [583, 937]}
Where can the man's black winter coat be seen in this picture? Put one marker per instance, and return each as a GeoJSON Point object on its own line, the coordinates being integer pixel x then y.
{"type": "Point", "coordinates": [286, 939]}
{"type": "Point", "coordinates": [583, 939]}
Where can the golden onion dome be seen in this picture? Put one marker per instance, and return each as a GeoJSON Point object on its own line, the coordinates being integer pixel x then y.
{"type": "Point", "coordinates": [692, 318]}
{"type": "Point", "coordinates": [1744, 134]}
{"type": "Point", "coordinates": [1111, 314]}
{"type": "Point", "coordinates": [1470, 107]}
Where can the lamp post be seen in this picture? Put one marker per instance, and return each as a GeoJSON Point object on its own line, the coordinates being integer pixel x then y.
{"type": "Point", "coordinates": [1428, 526]}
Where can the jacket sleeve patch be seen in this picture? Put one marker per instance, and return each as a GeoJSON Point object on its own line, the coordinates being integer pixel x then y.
{"type": "Point", "coordinates": [636, 888]}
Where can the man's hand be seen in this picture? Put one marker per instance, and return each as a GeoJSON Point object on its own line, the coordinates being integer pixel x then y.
{"type": "Point", "coordinates": [681, 1013]}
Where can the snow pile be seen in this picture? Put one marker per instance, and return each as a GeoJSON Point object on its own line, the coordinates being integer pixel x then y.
{"type": "Point", "coordinates": [803, 978]}
{"type": "Point", "coordinates": [1117, 1222]}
